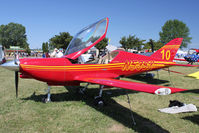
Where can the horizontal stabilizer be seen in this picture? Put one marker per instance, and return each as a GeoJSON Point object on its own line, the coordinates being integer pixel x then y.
{"type": "Point", "coordinates": [184, 65]}
{"type": "Point", "coordinates": [179, 59]}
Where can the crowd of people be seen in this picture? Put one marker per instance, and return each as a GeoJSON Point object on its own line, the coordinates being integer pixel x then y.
{"type": "Point", "coordinates": [55, 54]}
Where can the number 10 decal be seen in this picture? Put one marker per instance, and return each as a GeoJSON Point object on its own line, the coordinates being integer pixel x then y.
{"type": "Point", "coordinates": [166, 54]}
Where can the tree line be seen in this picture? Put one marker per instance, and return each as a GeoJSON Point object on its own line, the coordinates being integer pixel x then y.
{"type": "Point", "coordinates": [14, 34]}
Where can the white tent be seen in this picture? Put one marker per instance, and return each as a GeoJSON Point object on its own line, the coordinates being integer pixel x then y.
{"type": "Point", "coordinates": [181, 53]}
{"type": "Point", "coordinates": [111, 47]}
{"type": "Point", "coordinates": [1, 54]}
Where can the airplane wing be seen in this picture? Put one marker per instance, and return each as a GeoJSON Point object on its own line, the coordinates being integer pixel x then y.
{"type": "Point", "coordinates": [154, 89]}
{"type": "Point", "coordinates": [194, 75]}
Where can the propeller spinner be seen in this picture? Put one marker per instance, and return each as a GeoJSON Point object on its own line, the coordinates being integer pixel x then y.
{"type": "Point", "coordinates": [13, 66]}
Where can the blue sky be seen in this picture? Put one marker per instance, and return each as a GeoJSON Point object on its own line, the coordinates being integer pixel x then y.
{"type": "Point", "coordinates": [144, 18]}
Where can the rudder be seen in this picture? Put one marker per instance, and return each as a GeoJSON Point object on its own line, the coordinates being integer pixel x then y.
{"type": "Point", "coordinates": [168, 51]}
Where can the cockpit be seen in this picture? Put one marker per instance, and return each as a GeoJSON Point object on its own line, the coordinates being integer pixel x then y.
{"type": "Point", "coordinates": [86, 39]}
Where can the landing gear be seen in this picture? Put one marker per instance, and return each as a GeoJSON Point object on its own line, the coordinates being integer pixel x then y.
{"type": "Point", "coordinates": [82, 90]}
{"type": "Point", "coordinates": [46, 100]}
{"type": "Point", "coordinates": [150, 75]}
{"type": "Point", "coordinates": [98, 99]}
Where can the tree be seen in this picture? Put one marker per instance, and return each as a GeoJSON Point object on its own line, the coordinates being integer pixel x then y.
{"type": "Point", "coordinates": [102, 44]}
{"type": "Point", "coordinates": [27, 48]}
{"type": "Point", "coordinates": [175, 29]}
{"type": "Point", "coordinates": [151, 42]}
{"type": "Point", "coordinates": [131, 42]}
{"type": "Point", "coordinates": [13, 34]}
{"type": "Point", "coordinates": [124, 42]}
{"type": "Point", "coordinates": [155, 44]}
{"type": "Point", "coordinates": [45, 47]}
{"type": "Point", "coordinates": [60, 41]}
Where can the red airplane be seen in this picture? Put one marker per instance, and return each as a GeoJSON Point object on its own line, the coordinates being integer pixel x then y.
{"type": "Point", "coordinates": [68, 71]}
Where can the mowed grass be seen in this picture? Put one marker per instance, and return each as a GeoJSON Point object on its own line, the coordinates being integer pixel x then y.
{"type": "Point", "coordinates": [72, 112]}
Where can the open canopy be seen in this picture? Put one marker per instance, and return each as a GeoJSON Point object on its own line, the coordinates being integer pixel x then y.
{"type": "Point", "coordinates": [87, 38]}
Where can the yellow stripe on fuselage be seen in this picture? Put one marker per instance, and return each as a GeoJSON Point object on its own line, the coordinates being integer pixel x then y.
{"type": "Point", "coordinates": [90, 67]}
{"type": "Point", "coordinates": [74, 67]}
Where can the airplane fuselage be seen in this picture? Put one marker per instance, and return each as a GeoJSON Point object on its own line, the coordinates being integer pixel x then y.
{"type": "Point", "coordinates": [60, 71]}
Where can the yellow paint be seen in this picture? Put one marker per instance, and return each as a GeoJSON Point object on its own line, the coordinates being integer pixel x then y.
{"type": "Point", "coordinates": [75, 67]}
{"type": "Point", "coordinates": [162, 52]}
{"type": "Point", "coordinates": [141, 65]}
{"type": "Point", "coordinates": [194, 75]}
{"type": "Point", "coordinates": [166, 55]}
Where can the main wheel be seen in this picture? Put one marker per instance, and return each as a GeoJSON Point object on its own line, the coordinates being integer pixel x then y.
{"type": "Point", "coordinates": [99, 101]}
{"type": "Point", "coordinates": [46, 100]}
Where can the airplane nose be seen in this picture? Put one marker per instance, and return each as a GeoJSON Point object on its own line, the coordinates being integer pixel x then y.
{"type": "Point", "coordinates": [11, 65]}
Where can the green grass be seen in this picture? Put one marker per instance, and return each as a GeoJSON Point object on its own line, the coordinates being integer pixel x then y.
{"type": "Point", "coordinates": [71, 112]}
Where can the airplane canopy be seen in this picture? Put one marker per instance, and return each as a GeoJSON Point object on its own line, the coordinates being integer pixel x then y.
{"type": "Point", "coordinates": [87, 38]}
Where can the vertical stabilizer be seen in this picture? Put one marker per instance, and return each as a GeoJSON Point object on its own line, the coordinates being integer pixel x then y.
{"type": "Point", "coordinates": [168, 51]}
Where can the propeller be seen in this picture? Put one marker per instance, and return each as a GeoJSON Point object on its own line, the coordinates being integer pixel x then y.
{"type": "Point", "coordinates": [16, 60]}
{"type": "Point", "coordinates": [16, 82]}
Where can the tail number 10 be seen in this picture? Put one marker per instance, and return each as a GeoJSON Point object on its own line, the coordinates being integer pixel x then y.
{"type": "Point", "coordinates": [166, 54]}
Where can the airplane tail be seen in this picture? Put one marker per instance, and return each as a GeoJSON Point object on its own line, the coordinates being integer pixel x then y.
{"type": "Point", "coordinates": [168, 51]}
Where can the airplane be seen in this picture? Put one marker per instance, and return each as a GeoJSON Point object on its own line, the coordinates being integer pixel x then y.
{"type": "Point", "coordinates": [107, 71]}
{"type": "Point", "coordinates": [191, 57]}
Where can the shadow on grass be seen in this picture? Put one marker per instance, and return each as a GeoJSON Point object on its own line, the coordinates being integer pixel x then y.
{"type": "Point", "coordinates": [191, 91]}
{"type": "Point", "coordinates": [143, 78]}
{"type": "Point", "coordinates": [112, 109]}
{"type": "Point", "coordinates": [194, 119]}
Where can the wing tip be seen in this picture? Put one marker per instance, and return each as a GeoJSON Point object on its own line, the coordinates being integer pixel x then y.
{"type": "Point", "coordinates": [167, 91]}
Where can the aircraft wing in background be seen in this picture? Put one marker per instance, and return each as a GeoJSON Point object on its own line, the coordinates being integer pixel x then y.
{"type": "Point", "coordinates": [194, 75]}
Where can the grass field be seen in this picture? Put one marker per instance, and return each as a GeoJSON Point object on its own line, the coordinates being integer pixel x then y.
{"type": "Point", "coordinates": [71, 112]}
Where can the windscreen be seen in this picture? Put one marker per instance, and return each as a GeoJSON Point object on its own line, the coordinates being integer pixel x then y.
{"type": "Point", "coordinates": [87, 36]}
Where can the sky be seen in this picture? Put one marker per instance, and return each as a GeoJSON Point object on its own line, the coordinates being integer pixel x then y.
{"type": "Point", "coordinates": [43, 19]}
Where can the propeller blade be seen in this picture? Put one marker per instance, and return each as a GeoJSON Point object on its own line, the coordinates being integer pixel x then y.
{"type": "Point", "coordinates": [16, 83]}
